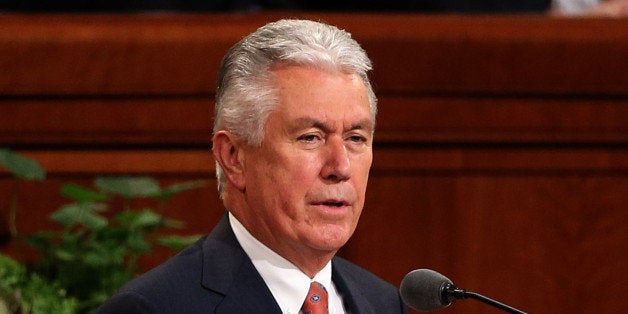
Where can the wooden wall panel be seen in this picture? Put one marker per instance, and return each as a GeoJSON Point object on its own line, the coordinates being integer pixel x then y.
{"type": "Point", "coordinates": [515, 238]}
{"type": "Point", "coordinates": [144, 121]}
{"type": "Point", "coordinates": [500, 160]}
{"type": "Point", "coordinates": [492, 119]}
{"type": "Point", "coordinates": [179, 54]}
{"type": "Point", "coordinates": [188, 121]}
{"type": "Point", "coordinates": [521, 230]}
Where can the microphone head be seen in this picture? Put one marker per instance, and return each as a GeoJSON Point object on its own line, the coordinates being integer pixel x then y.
{"type": "Point", "coordinates": [421, 289]}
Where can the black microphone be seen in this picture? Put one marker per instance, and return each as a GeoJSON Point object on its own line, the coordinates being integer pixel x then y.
{"type": "Point", "coordinates": [426, 290]}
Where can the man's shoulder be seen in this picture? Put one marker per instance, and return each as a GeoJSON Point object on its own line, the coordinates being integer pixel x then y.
{"type": "Point", "coordinates": [178, 277]}
{"type": "Point", "coordinates": [185, 265]}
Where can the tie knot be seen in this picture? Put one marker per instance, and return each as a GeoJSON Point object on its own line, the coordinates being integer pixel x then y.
{"type": "Point", "coordinates": [316, 300]}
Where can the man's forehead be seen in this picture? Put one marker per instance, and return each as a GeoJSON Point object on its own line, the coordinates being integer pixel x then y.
{"type": "Point", "coordinates": [310, 97]}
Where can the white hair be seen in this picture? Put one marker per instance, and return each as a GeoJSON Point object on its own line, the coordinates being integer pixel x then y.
{"type": "Point", "coordinates": [245, 93]}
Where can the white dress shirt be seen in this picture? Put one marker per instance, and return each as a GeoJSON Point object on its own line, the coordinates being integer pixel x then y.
{"type": "Point", "coordinates": [286, 282]}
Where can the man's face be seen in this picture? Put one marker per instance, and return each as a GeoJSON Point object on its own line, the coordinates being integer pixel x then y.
{"type": "Point", "coordinates": [305, 185]}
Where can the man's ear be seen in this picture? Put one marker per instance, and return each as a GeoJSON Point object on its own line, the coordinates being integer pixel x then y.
{"type": "Point", "coordinates": [230, 156]}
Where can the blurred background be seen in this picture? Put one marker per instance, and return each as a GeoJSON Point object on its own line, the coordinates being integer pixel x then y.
{"type": "Point", "coordinates": [560, 7]}
{"type": "Point", "coordinates": [500, 157]}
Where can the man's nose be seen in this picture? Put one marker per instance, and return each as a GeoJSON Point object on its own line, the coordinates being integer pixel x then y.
{"type": "Point", "coordinates": [337, 166]}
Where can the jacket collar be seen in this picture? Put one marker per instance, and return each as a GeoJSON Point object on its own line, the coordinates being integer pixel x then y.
{"type": "Point", "coordinates": [354, 300]}
{"type": "Point", "coordinates": [228, 271]}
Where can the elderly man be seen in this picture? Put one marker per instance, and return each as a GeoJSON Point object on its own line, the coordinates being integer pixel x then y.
{"type": "Point", "coordinates": [293, 135]}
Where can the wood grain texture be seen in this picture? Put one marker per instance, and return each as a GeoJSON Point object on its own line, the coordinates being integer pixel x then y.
{"type": "Point", "coordinates": [500, 157]}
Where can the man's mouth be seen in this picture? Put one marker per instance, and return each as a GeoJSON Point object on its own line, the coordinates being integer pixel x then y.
{"type": "Point", "coordinates": [332, 203]}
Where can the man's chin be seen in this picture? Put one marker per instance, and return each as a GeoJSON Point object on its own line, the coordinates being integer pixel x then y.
{"type": "Point", "coordinates": [331, 239]}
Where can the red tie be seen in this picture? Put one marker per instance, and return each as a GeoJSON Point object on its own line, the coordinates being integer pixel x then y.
{"type": "Point", "coordinates": [316, 301]}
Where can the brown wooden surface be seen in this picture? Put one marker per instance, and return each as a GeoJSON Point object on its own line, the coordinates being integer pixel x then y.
{"type": "Point", "coordinates": [501, 155]}
{"type": "Point", "coordinates": [165, 54]}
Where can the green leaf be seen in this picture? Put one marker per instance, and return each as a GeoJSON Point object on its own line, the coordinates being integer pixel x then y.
{"type": "Point", "coordinates": [66, 254]}
{"type": "Point", "coordinates": [140, 219]}
{"type": "Point", "coordinates": [12, 275]}
{"type": "Point", "coordinates": [100, 258]}
{"type": "Point", "coordinates": [137, 242]}
{"type": "Point", "coordinates": [41, 241]}
{"type": "Point", "coordinates": [20, 166]}
{"type": "Point", "coordinates": [43, 296]}
{"type": "Point", "coordinates": [129, 187]}
{"type": "Point", "coordinates": [82, 194]}
{"type": "Point", "coordinates": [177, 243]}
{"type": "Point", "coordinates": [81, 214]}
{"type": "Point", "coordinates": [177, 188]}
{"type": "Point", "coordinates": [173, 223]}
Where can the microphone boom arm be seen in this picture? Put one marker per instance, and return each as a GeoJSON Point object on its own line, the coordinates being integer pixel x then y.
{"type": "Point", "coordinates": [449, 293]}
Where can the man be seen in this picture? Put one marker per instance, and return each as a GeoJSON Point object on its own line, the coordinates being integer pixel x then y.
{"type": "Point", "coordinates": [293, 135]}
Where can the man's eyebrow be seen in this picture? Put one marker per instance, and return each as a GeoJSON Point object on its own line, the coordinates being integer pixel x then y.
{"type": "Point", "coordinates": [365, 124]}
{"type": "Point", "coordinates": [307, 122]}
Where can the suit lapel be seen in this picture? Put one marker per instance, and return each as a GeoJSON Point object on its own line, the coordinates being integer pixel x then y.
{"type": "Point", "coordinates": [248, 294]}
{"type": "Point", "coordinates": [354, 301]}
{"type": "Point", "coordinates": [229, 272]}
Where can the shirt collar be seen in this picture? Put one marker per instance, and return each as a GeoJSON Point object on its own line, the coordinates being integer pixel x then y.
{"type": "Point", "coordinates": [287, 283]}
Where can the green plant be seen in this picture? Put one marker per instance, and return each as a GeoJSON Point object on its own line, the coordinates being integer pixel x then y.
{"type": "Point", "coordinates": [96, 250]}
{"type": "Point", "coordinates": [22, 168]}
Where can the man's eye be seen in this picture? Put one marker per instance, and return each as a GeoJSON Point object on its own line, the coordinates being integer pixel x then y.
{"type": "Point", "coordinates": [308, 138]}
{"type": "Point", "coordinates": [357, 139]}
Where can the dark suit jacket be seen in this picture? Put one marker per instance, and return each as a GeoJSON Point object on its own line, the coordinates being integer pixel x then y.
{"type": "Point", "coordinates": [216, 276]}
